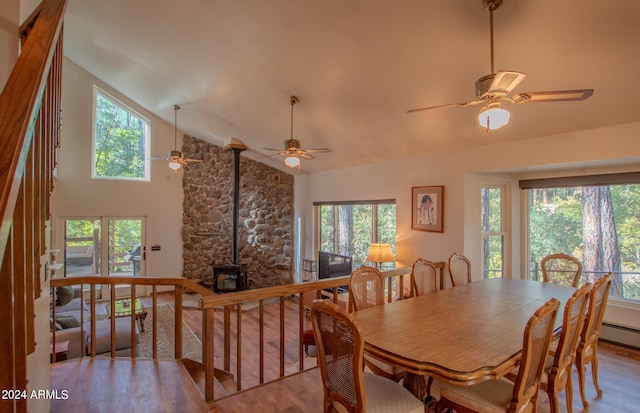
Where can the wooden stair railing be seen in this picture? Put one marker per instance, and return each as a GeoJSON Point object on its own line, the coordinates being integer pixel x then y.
{"type": "Point", "coordinates": [232, 302]}
{"type": "Point", "coordinates": [29, 135]}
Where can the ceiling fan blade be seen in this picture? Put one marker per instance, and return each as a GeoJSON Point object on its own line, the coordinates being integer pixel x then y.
{"type": "Point", "coordinates": [272, 149]}
{"type": "Point", "coordinates": [159, 159]}
{"type": "Point", "coordinates": [553, 96]}
{"type": "Point", "coordinates": [474, 102]}
{"type": "Point", "coordinates": [317, 150]}
{"type": "Point", "coordinates": [188, 160]}
{"type": "Point", "coordinates": [304, 155]}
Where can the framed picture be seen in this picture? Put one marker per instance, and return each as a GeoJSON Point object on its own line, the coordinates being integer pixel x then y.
{"type": "Point", "coordinates": [427, 208]}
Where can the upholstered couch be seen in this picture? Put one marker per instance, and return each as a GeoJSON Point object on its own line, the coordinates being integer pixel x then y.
{"type": "Point", "coordinates": [67, 325]}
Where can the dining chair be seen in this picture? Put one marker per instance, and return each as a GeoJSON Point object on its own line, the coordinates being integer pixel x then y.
{"type": "Point", "coordinates": [366, 289]}
{"type": "Point", "coordinates": [557, 373]}
{"type": "Point", "coordinates": [346, 386]}
{"type": "Point", "coordinates": [503, 395]}
{"type": "Point", "coordinates": [561, 269]}
{"type": "Point", "coordinates": [459, 269]}
{"type": "Point", "coordinates": [587, 351]}
{"type": "Point", "coordinates": [424, 278]}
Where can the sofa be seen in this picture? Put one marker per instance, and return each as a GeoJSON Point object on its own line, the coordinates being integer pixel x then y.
{"type": "Point", "coordinates": [68, 309]}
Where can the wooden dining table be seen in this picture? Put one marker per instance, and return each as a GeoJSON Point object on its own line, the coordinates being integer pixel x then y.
{"type": "Point", "coordinates": [462, 335]}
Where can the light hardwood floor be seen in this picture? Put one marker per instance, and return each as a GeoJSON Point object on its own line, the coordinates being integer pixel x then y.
{"type": "Point", "coordinates": [619, 376]}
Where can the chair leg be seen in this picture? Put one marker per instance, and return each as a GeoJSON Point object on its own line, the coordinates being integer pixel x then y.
{"type": "Point", "coordinates": [581, 372]}
{"type": "Point", "coordinates": [568, 391]}
{"type": "Point", "coordinates": [594, 372]}
{"type": "Point", "coordinates": [553, 400]}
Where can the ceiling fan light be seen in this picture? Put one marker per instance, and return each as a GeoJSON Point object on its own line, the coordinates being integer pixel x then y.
{"type": "Point", "coordinates": [493, 118]}
{"type": "Point", "coordinates": [292, 161]}
{"type": "Point", "coordinates": [174, 165]}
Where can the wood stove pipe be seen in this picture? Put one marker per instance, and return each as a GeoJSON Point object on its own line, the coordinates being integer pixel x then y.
{"type": "Point", "coordinates": [236, 149]}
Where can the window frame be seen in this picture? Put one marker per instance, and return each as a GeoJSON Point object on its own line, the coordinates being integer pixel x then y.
{"type": "Point", "coordinates": [374, 223]}
{"type": "Point", "coordinates": [505, 227]}
{"type": "Point", "coordinates": [147, 137]}
{"type": "Point", "coordinates": [610, 179]}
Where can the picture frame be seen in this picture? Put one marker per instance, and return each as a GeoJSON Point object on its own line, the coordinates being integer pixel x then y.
{"type": "Point", "coordinates": [427, 208]}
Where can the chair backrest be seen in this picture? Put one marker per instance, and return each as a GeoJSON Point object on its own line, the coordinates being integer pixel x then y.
{"type": "Point", "coordinates": [459, 269]}
{"type": "Point", "coordinates": [535, 346]}
{"type": "Point", "coordinates": [572, 325]}
{"type": "Point", "coordinates": [424, 278]}
{"type": "Point", "coordinates": [366, 288]}
{"type": "Point", "coordinates": [561, 269]}
{"type": "Point", "coordinates": [597, 304]}
{"type": "Point", "coordinates": [340, 355]}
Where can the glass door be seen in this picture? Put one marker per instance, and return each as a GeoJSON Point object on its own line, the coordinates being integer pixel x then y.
{"type": "Point", "coordinates": [125, 247]}
{"type": "Point", "coordinates": [82, 244]}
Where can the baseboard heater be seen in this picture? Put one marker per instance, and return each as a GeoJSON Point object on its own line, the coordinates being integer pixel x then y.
{"type": "Point", "coordinates": [622, 335]}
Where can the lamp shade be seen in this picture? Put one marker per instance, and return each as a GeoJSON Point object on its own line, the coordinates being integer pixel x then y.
{"type": "Point", "coordinates": [380, 253]}
{"type": "Point", "coordinates": [493, 118]}
{"type": "Point", "coordinates": [174, 165]}
{"type": "Point", "coordinates": [292, 161]}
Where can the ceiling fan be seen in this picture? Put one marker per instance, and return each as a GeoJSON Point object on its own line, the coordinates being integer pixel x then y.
{"type": "Point", "coordinates": [175, 156]}
{"type": "Point", "coordinates": [292, 148]}
{"type": "Point", "coordinates": [493, 89]}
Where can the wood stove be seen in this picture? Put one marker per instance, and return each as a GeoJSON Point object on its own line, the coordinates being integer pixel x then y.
{"type": "Point", "coordinates": [229, 278]}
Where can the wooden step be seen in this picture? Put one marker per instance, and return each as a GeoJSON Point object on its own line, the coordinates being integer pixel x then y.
{"type": "Point", "coordinates": [224, 381]}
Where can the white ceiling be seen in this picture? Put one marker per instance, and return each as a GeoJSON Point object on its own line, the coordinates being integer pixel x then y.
{"type": "Point", "coordinates": [357, 66]}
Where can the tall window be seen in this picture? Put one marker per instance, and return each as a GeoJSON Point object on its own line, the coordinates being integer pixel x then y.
{"type": "Point", "coordinates": [120, 140]}
{"type": "Point", "coordinates": [348, 228]}
{"type": "Point", "coordinates": [494, 230]}
{"type": "Point", "coordinates": [597, 224]}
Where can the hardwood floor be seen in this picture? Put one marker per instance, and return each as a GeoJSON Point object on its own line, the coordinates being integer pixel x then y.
{"type": "Point", "coordinates": [619, 375]}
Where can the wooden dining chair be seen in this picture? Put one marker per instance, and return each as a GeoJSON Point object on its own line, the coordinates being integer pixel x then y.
{"type": "Point", "coordinates": [366, 289]}
{"type": "Point", "coordinates": [561, 269]}
{"type": "Point", "coordinates": [557, 373]}
{"type": "Point", "coordinates": [587, 351]}
{"type": "Point", "coordinates": [424, 278]}
{"type": "Point", "coordinates": [459, 269]}
{"type": "Point", "coordinates": [346, 386]}
{"type": "Point", "coordinates": [503, 394]}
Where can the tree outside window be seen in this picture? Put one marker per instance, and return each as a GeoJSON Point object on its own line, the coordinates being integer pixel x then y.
{"type": "Point", "coordinates": [349, 228]}
{"type": "Point", "coordinates": [121, 140]}
{"type": "Point", "coordinates": [599, 225]}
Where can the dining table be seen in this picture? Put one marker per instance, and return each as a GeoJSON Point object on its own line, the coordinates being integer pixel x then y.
{"type": "Point", "coordinates": [462, 335]}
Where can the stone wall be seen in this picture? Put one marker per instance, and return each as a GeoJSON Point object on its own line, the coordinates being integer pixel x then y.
{"type": "Point", "coordinates": [265, 216]}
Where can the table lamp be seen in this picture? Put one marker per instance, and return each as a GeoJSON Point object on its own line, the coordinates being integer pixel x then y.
{"type": "Point", "coordinates": [380, 253]}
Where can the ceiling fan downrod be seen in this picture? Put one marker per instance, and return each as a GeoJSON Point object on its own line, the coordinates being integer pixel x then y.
{"type": "Point", "coordinates": [491, 5]}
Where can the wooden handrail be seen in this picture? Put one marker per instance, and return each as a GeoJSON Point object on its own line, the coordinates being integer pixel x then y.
{"type": "Point", "coordinates": [236, 299]}
{"type": "Point", "coordinates": [29, 136]}
{"type": "Point", "coordinates": [20, 104]}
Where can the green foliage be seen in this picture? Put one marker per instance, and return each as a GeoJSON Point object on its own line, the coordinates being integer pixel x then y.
{"type": "Point", "coordinates": [363, 230]}
{"type": "Point", "coordinates": [119, 141]}
{"type": "Point", "coordinates": [556, 225]}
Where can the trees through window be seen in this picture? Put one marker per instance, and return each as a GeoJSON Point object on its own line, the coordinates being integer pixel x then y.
{"type": "Point", "coordinates": [120, 140]}
{"type": "Point", "coordinates": [599, 225]}
{"type": "Point", "coordinates": [349, 228]}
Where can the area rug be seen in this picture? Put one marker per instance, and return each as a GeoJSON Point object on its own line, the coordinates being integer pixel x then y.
{"type": "Point", "coordinates": [191, 345]}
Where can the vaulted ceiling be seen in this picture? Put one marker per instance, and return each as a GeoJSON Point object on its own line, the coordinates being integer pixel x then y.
{"type": "Point", "coordinates": [357, 66]}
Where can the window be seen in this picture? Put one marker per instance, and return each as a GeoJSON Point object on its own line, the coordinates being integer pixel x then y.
{"type": "Point", "coordinates": [347, 228]}
{"type": "Point", "coordinates": [493, 230]}
{"type": "Point", "coordinates": [120, 140]}
{"type": "Point", "coordinates": [597, 224]}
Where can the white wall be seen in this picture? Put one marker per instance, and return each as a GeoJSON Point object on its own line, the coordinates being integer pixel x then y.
{"type": "Point", "coordinates": [462, 172]}
{"type": "Point", "coordinates": [76, 194]}
{"type": "Point", "coordinates": [9, 40]}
